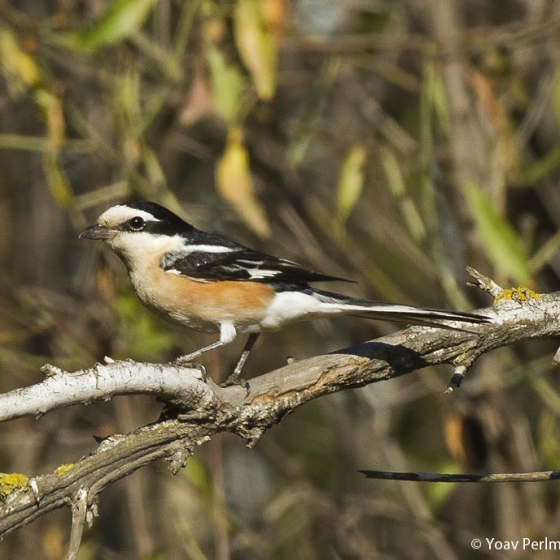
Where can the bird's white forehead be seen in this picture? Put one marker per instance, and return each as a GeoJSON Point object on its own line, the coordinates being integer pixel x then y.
{"type": "Point", "coordinates": [119, 214]}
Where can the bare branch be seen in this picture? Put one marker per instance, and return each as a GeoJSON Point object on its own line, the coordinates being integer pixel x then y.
{"type": "Point", "coordinates": [496, 477]}
{"type": "Point", "coordinates": [79, 512]}
{"type": "Point", "coordinates": [61, 388]}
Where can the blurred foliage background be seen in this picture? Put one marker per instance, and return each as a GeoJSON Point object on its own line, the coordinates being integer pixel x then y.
{"type": "Point", "coordinates": [388, 142]}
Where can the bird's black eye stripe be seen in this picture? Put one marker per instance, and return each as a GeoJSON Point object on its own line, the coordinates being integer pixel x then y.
{"type": "Point", "coordinates": [136, 224]}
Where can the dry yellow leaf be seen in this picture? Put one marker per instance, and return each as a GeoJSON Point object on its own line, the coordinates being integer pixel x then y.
{"type": "Point", "coordinates": [19, 67]}
{"type": "Point", "coordinates": [234, 182]}
{"type": "Point", "coordinates": [275, 14]}
{"type": "Point", "coordinates": [256, 46]}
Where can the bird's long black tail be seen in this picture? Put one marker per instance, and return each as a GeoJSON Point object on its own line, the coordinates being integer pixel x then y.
{"type": "Point", "coordinates": [400, 313]}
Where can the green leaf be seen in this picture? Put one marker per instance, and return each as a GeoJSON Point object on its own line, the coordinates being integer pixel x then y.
{"type": "Point", "coordinates": [351, 181]}
{"type": "Point", "coordinates": [122, 19]}
{"type": "Point", "coordinates": [228, 84]}
{"type": "Point", "coordinates": [500, 241]}
{"type": "Point", "coordinates": [440, 107]}
{"type": "Point", "coordinates": [542, 167]}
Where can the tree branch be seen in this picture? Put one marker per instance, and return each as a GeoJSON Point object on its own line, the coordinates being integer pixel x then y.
{"type": "Point", "coordinates": [196, 409]}
{"type": "Point", "coordinates": [61, 388]}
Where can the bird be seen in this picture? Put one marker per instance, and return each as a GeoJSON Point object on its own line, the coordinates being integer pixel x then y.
{"type": "Point", "coordinates": [206, 282]}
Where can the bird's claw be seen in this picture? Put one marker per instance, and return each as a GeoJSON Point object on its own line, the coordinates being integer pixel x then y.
{"type": "Point", "coordinates": [187, 363]}
{"type": "Point", "coordinates": [234, 379]}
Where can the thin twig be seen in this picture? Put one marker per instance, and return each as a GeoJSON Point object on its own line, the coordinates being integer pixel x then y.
{"type": "Point", "coordinates": [539, 476]}
{"type": "Point", "coordinates": [484, 283]}
{"type": "Point", "coordinates": [79, 511]}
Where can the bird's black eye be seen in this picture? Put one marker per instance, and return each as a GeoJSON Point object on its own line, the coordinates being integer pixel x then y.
{"type": "Point", "coordinates": [137, 223]}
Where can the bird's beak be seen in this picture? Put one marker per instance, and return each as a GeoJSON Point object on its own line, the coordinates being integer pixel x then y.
{"type": "Point", "coordinates": [98, 232]}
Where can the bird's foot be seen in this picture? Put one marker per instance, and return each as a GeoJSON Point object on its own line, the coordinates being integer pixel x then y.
{"type": "Point", "coordinates": [234, 379]}
{"type": "Point", "coordinates": [183, 361]}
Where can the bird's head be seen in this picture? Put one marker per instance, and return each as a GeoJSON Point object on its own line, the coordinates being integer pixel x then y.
{"type": "Point", "coordinates": [139, 229]}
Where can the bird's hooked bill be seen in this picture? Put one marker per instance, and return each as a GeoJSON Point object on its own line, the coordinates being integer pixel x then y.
{"type": "Point", "coordinates": [98, 232]}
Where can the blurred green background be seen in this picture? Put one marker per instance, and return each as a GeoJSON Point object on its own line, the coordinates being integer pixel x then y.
{"type": "Point", "coordinates": [387, 142]}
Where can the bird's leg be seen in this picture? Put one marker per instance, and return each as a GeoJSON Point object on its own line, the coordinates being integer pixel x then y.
{"type": "Point", "coordinates": [187, 359]}
{"type": "Point", "coordinates": [253, 337]}
{"type": "Point", "coordinates": [227, 334]}
{"type": "Point", "coordinates": [234, 379]}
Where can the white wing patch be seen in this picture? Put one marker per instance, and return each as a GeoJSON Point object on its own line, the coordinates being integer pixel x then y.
{"type": "Point", "coordinates": [256, 274]}
{"type": "Point", "coordinates": [190, 249]}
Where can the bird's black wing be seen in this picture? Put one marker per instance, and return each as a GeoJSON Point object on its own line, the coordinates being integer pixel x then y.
{"type": "Point", "coordinates": [207, 259]}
